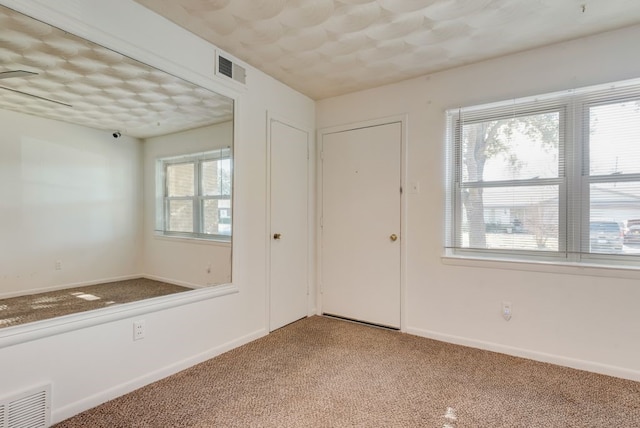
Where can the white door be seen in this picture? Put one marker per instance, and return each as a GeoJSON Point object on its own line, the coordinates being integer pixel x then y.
{"type": "Point", "coordinates": [361, 224]}
{"type": "Point", "coordinates": [289, 225]}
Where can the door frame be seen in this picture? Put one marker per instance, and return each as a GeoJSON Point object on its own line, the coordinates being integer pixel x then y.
{"type": "Point", "coordinates": [311, 210]}
{"type": "Point", "coordinates": [403, 120]}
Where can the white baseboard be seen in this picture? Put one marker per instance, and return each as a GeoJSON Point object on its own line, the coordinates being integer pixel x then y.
{"type": "Point", "coordinates": [29, 292]}
{"type": "Point", "coordinates": [174, 281]}
{"type": "Point", "coordinates": [80, 406]}
{"type": "Point", "coordinates": [559, 360]}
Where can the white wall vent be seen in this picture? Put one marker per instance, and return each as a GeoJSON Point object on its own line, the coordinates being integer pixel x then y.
{"type": "Point", "coordinates": [227, 68]}
{"type": "Point", "coordinates": [29, 409]}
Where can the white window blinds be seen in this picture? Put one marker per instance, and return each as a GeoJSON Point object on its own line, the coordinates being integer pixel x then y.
{"type": "Point", "coordinates": [553, 176]}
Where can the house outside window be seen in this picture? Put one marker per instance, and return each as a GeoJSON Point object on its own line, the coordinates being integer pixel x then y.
{"type": "Point", "coordinates": [552, 177]}
{"type": "Point", "coordinates": [194, 196]}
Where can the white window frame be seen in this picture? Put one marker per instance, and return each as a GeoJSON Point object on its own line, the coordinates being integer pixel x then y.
{"type": "Point", "coordinates": [198, 199]}
{"type": "Point", "coordinates": [573, 178]}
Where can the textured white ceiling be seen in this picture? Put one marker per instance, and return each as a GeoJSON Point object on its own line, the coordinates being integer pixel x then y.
{"type": "Point", "coordinates": [94, 86]}
{"type": "Point", "coordinates": [329, 47]}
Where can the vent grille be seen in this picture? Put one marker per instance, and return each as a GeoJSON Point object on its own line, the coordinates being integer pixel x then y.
{"type": "Point", "coordinates": [225, 67]}
{"type": "Point", "coordinates": [229, 69]}
{"type": "Point", "coordinates": [29, 409]}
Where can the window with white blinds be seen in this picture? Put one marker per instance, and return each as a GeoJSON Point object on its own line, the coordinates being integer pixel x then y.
{"type": "Point", "coordinates": [555, 176]}
{"type": "Point", "coordinates": [194, 197]}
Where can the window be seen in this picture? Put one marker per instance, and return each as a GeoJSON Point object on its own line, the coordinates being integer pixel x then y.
{"type": "Point", "coordinates": [554, 177]}
{"type": "Point", "coordinates": [194, 197]}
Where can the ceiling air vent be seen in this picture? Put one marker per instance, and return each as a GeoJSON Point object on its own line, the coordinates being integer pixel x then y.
{"type": "Point", "coordinates": [228, 68]}
{"type": "Point", "coordinates": [29, 409]}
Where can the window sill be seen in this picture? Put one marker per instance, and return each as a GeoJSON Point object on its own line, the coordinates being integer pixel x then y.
{"type": "Point", "coordinates": [191, 240]}
{"type": "Point", "coordinates": [592, 268]}
{"type": "Point", "coordinates": [10, 336]}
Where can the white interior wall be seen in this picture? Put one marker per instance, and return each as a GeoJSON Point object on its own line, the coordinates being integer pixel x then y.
{"type": "Point", "coordinates": [585, 318]}
{"type": "Point", "coordinates": [72, 195]}
{"type": "Point", "coordinates": [100, 361]}
{"type": "Point", "coordinates": [194, 263]}
{"type": "Point", "coordinates": [572, 318]}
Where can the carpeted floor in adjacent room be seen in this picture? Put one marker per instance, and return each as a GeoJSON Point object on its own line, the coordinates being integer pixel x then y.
{"type": "Point", "coordinates": [51, 304]}
{"type": "Point", "coordinates": [322, 372]}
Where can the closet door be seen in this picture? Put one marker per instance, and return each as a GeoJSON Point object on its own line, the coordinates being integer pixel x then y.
{"type": "Point", "coordinates": [289, 263]}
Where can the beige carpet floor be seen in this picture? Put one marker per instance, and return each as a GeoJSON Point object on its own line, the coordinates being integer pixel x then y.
{"type": "Point", "coordinates": [322, 372]}
{"type": "Point", "coordinates": [41, 306]}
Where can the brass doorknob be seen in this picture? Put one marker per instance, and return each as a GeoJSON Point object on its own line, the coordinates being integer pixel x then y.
{"type": "Point", "coordinates": [394, 237]}
{"type": "Point", "coordinates": [276, 236]}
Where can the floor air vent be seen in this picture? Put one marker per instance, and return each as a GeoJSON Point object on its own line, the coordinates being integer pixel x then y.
{"type": "Point", "coordinates": [29, 409]}
{"type": "Point", "coordinates": [226, 67]}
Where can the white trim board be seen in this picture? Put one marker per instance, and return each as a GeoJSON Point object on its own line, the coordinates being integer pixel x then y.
{"type": "Point", "coordinates": [10, 336]}
{"type": "Point", "coordinates": [574, 363]}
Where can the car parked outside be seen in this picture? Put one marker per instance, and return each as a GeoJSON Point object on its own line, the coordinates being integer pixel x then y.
{"type": "Point", "coordinates": [606, 237]}
{"type": "Point", "coordinates": [632, 237]}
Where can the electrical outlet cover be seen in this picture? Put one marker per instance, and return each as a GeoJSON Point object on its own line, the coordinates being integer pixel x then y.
{"type": "Point", "coordinates": [506, 311]}
{"type": "Point", "coordinates": [138, 330]}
